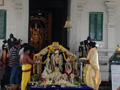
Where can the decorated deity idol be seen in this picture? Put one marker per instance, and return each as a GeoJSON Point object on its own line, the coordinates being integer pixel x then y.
{"type": "Point", "coordinates": [11, 41]}
{"type": "Point", "coordinates": [52, 72]}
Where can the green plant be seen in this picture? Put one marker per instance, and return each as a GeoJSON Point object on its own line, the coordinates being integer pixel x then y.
{"type": "Point", "coordinates": [36, 77]}
{"type": "Point", "coordinates": [78, 80]}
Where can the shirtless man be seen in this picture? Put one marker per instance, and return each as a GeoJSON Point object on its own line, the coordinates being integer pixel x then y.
{"type": "Point", "coordinates": [24, 58]}
{"type": "Point", "coordinates": [26, 62]}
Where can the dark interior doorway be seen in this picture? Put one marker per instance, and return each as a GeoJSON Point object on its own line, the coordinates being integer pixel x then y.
{"type": "Point", "coordinates": [50, 27]}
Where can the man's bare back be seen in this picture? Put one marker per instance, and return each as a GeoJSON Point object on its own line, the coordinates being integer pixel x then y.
{"type": "Point", "coordinates": [25, 59]}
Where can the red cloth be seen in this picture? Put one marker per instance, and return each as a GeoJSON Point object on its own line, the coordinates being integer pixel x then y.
{"type": "Point", "coordinates": [5, 59]}
{"type": "Point", "coordinates": [68, 74]}
{"type": "Point", "coordinates": [31, 56]}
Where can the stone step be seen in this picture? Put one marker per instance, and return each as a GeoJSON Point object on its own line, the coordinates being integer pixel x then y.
{"type": "Point", "coordinates": [2, 72]}
{"type": "Point", "coordinates": [1, 77]}
{"type": "Point", "coordinates": [6, 77]}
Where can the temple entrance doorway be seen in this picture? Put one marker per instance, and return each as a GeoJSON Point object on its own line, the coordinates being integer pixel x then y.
{"type": "Point", "coordinates": [40, 30]}
{"type": "Point", "coordinates": [46, 22]}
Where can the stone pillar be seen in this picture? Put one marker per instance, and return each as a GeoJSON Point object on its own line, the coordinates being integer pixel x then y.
{"type": "Point", "coordinates": [79, 10]}
{"type": "Point", "coordinates": [18, 24]}
{"type": "Point", "coordinates": [77, 7]}
{"type": "Point", "coordinates": [111, 5]}
{"type": "Point", "coordinates": [25, 20]}
{"type": "Point", "coordinates": [22, 19]}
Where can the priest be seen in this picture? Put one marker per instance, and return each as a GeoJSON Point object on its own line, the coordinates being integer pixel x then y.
{"type": "Point", "coordinates": [91, 70]}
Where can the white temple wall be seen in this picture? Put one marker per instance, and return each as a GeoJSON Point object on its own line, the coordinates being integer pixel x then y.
{"type": "Point", "coordinates": [80, 22]}
{"type": "Point", "coordinates": [16, 19]}
{"type": "Point", "coordinates": [10, 19]}
{"type": "Point", "coordinates": [117, 24]}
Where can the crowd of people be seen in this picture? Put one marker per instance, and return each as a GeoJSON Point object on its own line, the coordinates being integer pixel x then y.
{"type": "Point", "coordinates": [21, 61]}
{"type": "Point", "coordinates": [18, 57]}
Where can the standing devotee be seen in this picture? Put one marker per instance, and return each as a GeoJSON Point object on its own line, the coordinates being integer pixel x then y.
{"type": "Point", "coordinates": [26, 62]}
{"type": "Point", "coordinates": [22, 48]}
{"type": "Point", "coordinates": [5, 56]}
{"type": "Point", "coordinates": [14, 63]}
{"type": "Point", "coordinates": [91, 71]}
{"type": "Point", "coordinates": [11, 41]}
{"type": "Point", "coordinates": [21, 51]}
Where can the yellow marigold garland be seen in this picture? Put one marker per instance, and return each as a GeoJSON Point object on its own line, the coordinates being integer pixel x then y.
{"type": "Point", "coordinates": [49, 51]}
{"type": "Point", "coordinates": [34, 64]}
{"type": "Point", "coordinates": [64, 56]}
{"type": "Point", "coordinates": [60, 47]}
{"type": "Point", "coordinates": [52, 50]}
{"type": "Point", "coordinates": [47, 55]}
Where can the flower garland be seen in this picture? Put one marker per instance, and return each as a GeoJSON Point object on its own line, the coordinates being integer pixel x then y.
{"type": "Point", "coordinates": [64, 56]}
{"type": "Point", "coordinates": [52, 50]}
{"type": "Point", "coordinates": [68, 67]}
{"type": "Point", "coordinates": [70, 57]}
{"type": "Point", "coordinates": [34, 64]}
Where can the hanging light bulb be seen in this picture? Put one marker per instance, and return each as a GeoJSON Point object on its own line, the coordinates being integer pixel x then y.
{"type": "Point", "coordinates": [67, 24]}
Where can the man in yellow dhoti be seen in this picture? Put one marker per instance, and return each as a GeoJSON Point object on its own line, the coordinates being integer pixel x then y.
{"type": "Point", "coordinates": [91, 71]}
{"type": "Point", "coordinates": [26, 67]}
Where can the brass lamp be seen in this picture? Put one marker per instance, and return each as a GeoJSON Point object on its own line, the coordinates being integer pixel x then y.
{"type": "Point", "coordinates": [67, 23]}
{"type": "Point", "coordinates": [67, 26]}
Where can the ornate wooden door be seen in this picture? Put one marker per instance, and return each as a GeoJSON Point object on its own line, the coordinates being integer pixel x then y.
{"type": "Point", "coordinates": [40, 31]}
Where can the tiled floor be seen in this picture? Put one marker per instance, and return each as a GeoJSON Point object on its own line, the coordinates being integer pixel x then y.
{"type": "Point", "coordinates": [105, 86]}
